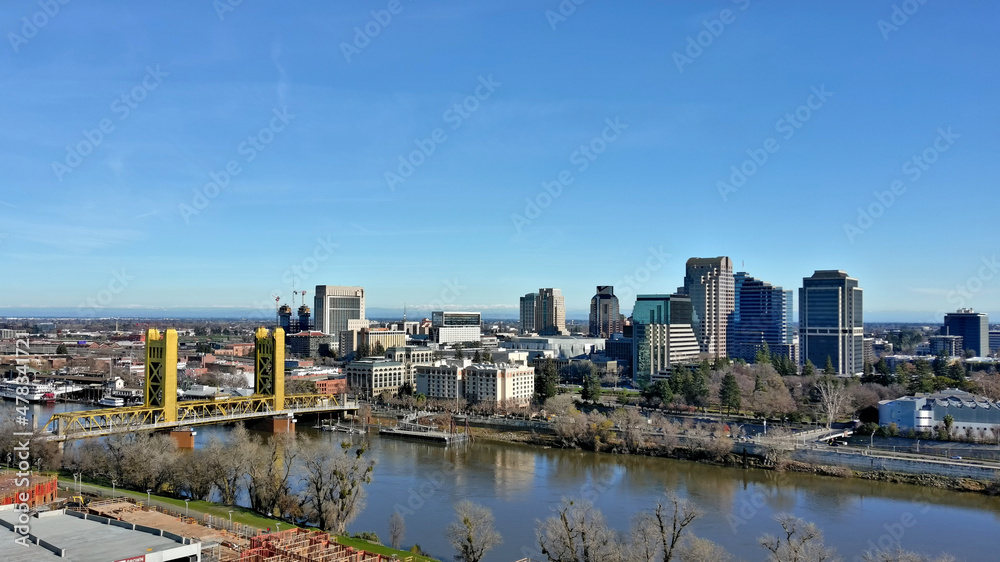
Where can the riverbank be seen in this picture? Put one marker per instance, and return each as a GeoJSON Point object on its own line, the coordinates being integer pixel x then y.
{"type": "Point", "coordinates": [198, 509]}
{"type": "Point", "coordinates": [932, 474]}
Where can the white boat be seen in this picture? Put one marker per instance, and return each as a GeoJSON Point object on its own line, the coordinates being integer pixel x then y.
{"type": "Point", "coordinates": [111, 402]}
{"type": "Point", "coordinates": [36, 392]}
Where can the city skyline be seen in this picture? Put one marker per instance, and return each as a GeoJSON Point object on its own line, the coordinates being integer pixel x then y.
{"type": "Point", "coordinates": [858, 115]}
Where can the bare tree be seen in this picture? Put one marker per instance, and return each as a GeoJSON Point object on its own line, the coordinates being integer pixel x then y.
{"type": "Point", "coordinates": [799, 542]}
{"type": "Point", "coordinates": [631, 426]}
{"type": "Point", "coordinates": [666, 523]}
{"type": "Point", "coordinates": [472, 534]}
{"type": "Point", "coordinates": [834, 399]}
{"type": "Point", "coordinates": [269, 471]}
{"type": "Point", "coordinates": [900, 555]}
{"type": "Point", "coordinates": [695, 549]}
{"type": "Point", "coordinates": [333, 493]}
{"type": "Point", "coordinates": [577, 533]}
{"type": "Point", "coordinates": [228, 461]}
{"type": "Point", "coordinates": [397, 528]}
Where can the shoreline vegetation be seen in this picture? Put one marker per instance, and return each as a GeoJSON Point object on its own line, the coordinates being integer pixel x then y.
{"type": "Point", "coordinates": [734, 460]}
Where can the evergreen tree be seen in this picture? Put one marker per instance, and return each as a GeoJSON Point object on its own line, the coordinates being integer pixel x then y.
{"type": "Point", "coordinates": [729, 393]}
{"type": "Point", "coordinates": [477, 357]}
{"type": "Point", "coordinates": [591, 388]}
{"type": "Point", "coordinates": [696, 391]}
{"type": "Point", "coordinates": [379, 349]}
{"type": "Point", "coordinates": [659, 389]}
{"type": "Point", "coordinates": [956, 371]}
{"type": "Point", "coordinates": [828, 370]}
{"type": "Point", "coordinates": [61, 349]}
{"type": "Point", "coordinates": [940, 365]}
{"type": "Point", "coordinates": [547, 381]}
{"type": "Point", "coordinates": [487, 357]}
{"type": "Point", "coordinates": [458, 352]}
{"type": "Point", "coordinates": [763, 356]}
{"type": "Point", "coordinates": [882, 367]}
{"type": "Point", "coordinates": [363, 350]}
{"type": "Point", "coordinates": [808, 369]}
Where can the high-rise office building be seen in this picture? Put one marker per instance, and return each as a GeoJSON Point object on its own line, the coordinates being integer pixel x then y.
{"type": "Point", "coordinates": [336, 305]}
{"type": "Point", "coordinates": [604, 316]}
{"type": "Point", "coordinates": [662, 335]}
{"type": "Point", "coordinates": [831, 321]}
{"type": "Point", "coordinates": [528, 313]}
{"type": "Point", "coordinates": [761, 316]}
{"type": "Point", "coordinates": [974, 327]}
{"type": "Point", "coordinates": [550, 313]}
{"type": "Point", "coordinates": [709, 283]}
{"type": "Point", "coordinates": [452, 327]}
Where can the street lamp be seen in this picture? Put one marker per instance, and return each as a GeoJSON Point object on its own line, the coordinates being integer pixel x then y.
{"type": "Point", "coordinates": [113, 482]}
{"type": "Point", "coordinates": [79, 482]}
{"type": "Point", "coordinates": [230, 520]}
{"type": "Point", "coordinates": [186, 508]}
{"type": "Point", "coordinates": [148, 500]}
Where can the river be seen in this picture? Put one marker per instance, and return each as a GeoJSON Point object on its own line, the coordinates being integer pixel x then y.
{"type": "Point", "coordinates": [522, 484]}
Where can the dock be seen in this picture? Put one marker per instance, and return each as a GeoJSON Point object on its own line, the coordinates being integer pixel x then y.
{"type": "Point", "coordinates": [408, 430]}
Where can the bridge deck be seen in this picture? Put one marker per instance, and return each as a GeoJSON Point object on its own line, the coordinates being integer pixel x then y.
{"type": "Point", "coordinates": [95, 423]}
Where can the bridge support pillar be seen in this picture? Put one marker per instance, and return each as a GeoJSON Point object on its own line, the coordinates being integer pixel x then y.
{"type": "Point", "coordinates": [277, 424]}
{"type": "Point", "coordinates": [184, 437]}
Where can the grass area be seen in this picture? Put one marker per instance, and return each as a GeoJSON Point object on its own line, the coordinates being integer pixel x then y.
{"type": "Point", "coordinates": [378, 549]}
{"type": "Point", "coordinates": [240, 515]}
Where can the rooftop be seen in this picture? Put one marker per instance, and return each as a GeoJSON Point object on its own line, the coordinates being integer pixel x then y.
{"type": "Point", "coordinates": [85, 540]}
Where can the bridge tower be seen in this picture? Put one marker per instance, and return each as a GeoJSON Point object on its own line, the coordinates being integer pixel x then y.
{"type": "Point", "coordinates": [269, 366]}
{"type": "Point", "coordinates": [161, 372]}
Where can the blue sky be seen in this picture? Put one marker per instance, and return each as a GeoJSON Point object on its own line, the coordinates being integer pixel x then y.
{"type": "Point", "coordinates": [326, 114]}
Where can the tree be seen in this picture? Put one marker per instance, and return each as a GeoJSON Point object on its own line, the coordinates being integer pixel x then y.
{"type": "Point", "coordinates": [458, 352]}
{"type": "Point", "coordinates": [666, 524]}
{"type": "Point", "coordinates": [729, 393]}
{"type": "Point", "coordinates": [956, 371]}
{"type": "Point", "coordinates": [61, 349]}
{"type": "Point", "coordinates": [363, 350]}
{"type": "Point", "coordinates": [808, 369]}
{"type": "Point", "coordinates": [833, 398]}
{"type": "Point", "coordinates": [473, 533]}
{"type": "Point", "coordinates": [828, 369]}
{"type": "Point", "coordinates": [591, 388]}
{"type": "Point", "coordinates": [379, 350]}
{"type": "Point", "coordinates": [799, 542]}
{"type": "Point", "coordinates": [547, 381]}
{"type": "Point", "coordinates": [204, 347]}
{"type": "Point", "coordinates": [949, 423]}
{"type": "Point", "coordinates": [659, 390]}
{"type": "Point", "coordinates": [477, 357]}
{"type": "Point", "coordinates": [763, 355]}
{"type": "Point", "coordinates": [269, 471]}
{"type": "Point", "coordinates": [487, 357]}
{"type": "Point", "coordinates": [696, 389]}
{"type": "Point", "coordinates": [577, 533]}
{"type": "Point", "coordinates": [333, 493]}
{"type": "Point", "coordinates": [397, 529]}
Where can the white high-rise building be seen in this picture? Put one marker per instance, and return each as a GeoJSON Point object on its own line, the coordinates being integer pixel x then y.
{"type": "Point", "coordinates": [335, 305]}
{"type": "Point", "coordinates": [710, 284]}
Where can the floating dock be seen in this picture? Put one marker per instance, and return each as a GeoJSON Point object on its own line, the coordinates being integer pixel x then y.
{"type": "Point", "coordinates": [423, 432]}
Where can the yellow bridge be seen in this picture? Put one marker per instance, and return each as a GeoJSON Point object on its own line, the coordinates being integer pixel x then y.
{"type": "Point", "coordinates": [162, 410]}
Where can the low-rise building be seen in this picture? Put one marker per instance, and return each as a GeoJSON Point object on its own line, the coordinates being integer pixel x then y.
{"type": "Point", "coordinates": [410, 356]}
{"type": "Point", "coordinates": [482, 382]}
{"type": "Point", "coordinates": [501, 384]}
{"type": "Point", "coordinates": [440, 381]}
{"type": "Point", "coordinates": [373, 377]}
{"type": "Point", "coordinates": [950, 346]}
{"type": "Point", "coordinates": [310, 344]}
{"type": "Point", "coordinates": [337, 385]}
{"type": "Point", "coordinates": [925, 412]}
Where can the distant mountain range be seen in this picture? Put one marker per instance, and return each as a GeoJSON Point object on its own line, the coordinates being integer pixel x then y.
{"type": "Point", "coordinates": [489, 313]}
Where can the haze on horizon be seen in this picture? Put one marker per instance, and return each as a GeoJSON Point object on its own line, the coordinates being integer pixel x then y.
{"type": "Point", "coordinates": [174, 156]}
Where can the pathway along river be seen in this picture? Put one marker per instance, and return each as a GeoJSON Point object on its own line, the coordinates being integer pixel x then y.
{"type": "Point", "coordinates": [521, 484]}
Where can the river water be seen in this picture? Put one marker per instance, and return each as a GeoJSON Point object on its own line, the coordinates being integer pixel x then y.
{"type": "Point", "coordinates": [521, 484]}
